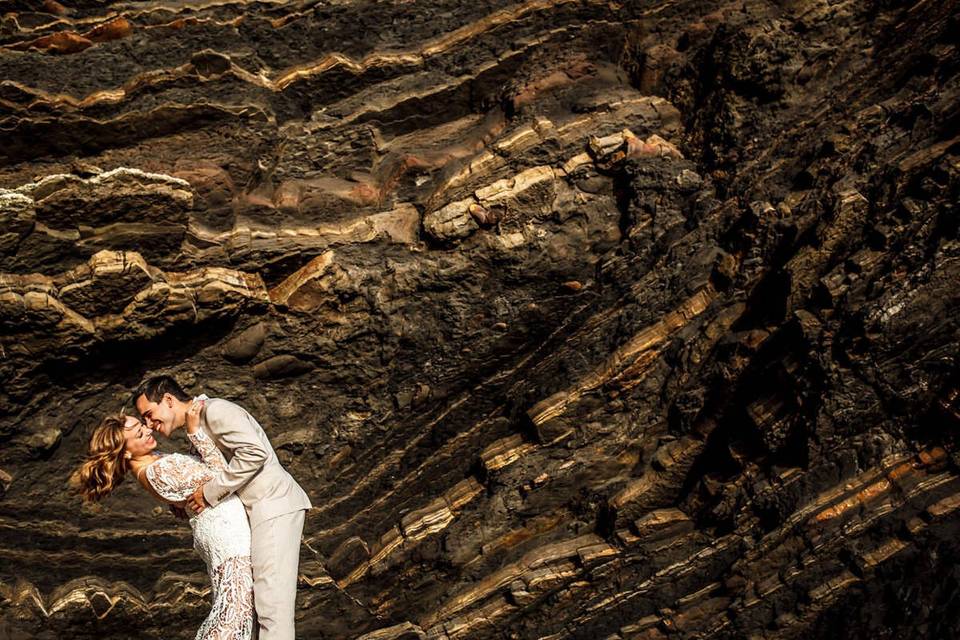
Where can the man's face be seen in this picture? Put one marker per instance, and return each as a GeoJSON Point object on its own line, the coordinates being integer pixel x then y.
{"type": "Point", "coordinates": [159, 416]}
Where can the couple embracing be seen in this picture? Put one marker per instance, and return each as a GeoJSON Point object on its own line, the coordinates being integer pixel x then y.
{"type": "Point", "coordinates": [245, 510]}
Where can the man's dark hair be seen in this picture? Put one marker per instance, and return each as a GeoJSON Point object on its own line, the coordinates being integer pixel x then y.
{"type": "Point", "coordinates": [154, 389]}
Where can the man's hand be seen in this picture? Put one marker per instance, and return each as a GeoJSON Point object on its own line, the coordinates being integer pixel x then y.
{"type": "Point", "coordinates": [197, 503]}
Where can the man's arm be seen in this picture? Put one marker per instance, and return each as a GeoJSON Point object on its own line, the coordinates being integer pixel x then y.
{"type": "Point", "coordinates": [237, 431]}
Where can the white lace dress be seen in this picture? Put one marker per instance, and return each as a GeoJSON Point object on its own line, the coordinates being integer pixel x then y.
{"type": "Point", "coordinates": [221, 535]}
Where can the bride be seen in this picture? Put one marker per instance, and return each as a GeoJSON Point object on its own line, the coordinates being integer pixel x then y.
{"type": "Point", "coordinates": [221, 534]}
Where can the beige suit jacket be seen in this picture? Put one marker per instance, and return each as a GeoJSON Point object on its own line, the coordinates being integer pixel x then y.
{"type": "Point", "coordinates": [253, 471]}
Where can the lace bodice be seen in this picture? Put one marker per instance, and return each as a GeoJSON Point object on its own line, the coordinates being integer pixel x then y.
{"type": "Point", "coordinates": [176, 476]}
{"type": "Point", "coordinates": [221, 535]}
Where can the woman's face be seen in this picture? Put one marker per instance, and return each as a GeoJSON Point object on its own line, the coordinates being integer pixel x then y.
{"type": "Point", "coordinates": [138, 439]}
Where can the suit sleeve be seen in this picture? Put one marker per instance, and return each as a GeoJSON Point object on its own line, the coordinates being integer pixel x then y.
{"type": "Point", "coordinates": [236, 430]}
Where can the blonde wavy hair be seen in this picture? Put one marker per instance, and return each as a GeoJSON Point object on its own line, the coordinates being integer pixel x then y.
{"type": "Point", "coordinates": [105, 466]}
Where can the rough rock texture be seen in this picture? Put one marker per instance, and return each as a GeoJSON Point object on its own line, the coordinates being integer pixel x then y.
{"type": "Point", "coordinates": [576, 318]}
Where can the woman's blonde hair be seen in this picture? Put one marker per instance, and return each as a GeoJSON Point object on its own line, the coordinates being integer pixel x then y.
{"type": "Point", "coordinates": [105, 466]}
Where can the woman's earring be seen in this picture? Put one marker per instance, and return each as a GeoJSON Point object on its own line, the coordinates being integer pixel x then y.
{"type": "Point", "coordinates": [127, 455]}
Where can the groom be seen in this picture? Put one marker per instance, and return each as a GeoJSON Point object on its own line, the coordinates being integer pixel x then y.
{"type": "Point", "coordinates": [275, 503]}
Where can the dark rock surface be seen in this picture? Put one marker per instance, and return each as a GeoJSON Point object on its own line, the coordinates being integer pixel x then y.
{"type": "Point", "coordinates": [576, 319]}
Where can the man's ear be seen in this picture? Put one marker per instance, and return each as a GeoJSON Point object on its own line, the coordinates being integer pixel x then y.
{"type": "Point", "coordinates": [168, 399]}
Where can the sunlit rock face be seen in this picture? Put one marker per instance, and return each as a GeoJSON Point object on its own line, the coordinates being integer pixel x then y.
{"type": "Point", "coordinates": [576, 319]}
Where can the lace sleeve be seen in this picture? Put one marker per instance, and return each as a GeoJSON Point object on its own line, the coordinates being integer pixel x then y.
{"type": "Point", "coordinates": [211, 455]}
{"type": "Point", "coordinates": [176, 476]}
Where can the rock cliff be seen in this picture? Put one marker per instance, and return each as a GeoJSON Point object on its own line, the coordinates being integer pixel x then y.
{"type": "Point", "coordinates": [576, 318]}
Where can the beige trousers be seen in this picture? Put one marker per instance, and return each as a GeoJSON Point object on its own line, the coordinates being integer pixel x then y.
{"type": "Point", "coordinates": [275, 555]}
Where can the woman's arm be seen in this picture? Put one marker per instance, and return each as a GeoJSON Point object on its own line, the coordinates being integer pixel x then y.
{"type": "Point", "coordinates": [208, 451]}
{"type": "Point", "coordinates": [193, 417]}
